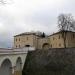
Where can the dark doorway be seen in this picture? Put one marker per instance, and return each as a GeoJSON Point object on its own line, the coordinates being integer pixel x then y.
{"type": "Point", "coordinates": [27, 45]}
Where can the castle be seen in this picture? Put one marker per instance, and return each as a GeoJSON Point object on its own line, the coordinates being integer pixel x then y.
{"type": "Point", "coordinates": [39, 41]}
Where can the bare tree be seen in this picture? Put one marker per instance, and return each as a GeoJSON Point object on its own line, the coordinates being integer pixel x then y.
{"type": "Point", "coordinates": [66, 23]}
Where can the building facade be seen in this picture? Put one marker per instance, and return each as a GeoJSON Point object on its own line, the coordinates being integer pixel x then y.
{"type": "Point", "coordinates": [55, 40]}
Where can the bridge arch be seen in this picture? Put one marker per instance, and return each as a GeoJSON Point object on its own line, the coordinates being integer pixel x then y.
{"type": "Point", "coordinates": [6, 58]}
{"type": "Point", "coordinates": [18, 66]}
{"type": "Point", "coordinates": [45, 46]}
{"type": "Point", "coordinates": [5, 68]}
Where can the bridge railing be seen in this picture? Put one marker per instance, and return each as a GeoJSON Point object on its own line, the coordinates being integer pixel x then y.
{"type": "Point", "coordinates": [16, 51]}
{"type": "Point", "coordinates": [25, 49]}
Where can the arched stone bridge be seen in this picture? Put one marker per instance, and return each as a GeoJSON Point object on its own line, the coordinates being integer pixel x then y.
{"type": "Point", "coordinates": [12, 60]}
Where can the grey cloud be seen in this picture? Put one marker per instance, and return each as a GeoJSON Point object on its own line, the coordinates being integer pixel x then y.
{"type": "Point", "coordinates": [41, 19]}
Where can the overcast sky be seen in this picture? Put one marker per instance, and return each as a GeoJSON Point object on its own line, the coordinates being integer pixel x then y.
{"type": "Point", "coordinates": [18, 16]}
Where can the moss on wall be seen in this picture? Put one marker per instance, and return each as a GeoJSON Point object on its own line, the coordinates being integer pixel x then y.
{"type": "Point", "coordinates": [50, 62]}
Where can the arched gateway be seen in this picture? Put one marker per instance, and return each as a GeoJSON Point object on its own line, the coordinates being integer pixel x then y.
{"type": "Point", "coordinates": [45, 46]}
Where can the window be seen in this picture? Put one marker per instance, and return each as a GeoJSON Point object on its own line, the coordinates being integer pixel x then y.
{"type": "Point", "coordinates": [51, 46]}
{"type": "Point", "coordinates": [53, 38]}
{"type": "Point", "coordinates": [19, 39]}
{"type": "Point", "coordinates": [16, 46]}
{"type": "Point", "coordinates": [16, 39]}
{"type": "Point", "coordinates": [27, 38]}
{"type": "Point", "coordinates": [73, 35]}
{"type": "Point", "coordinates": [19, 46]}
{"type": "Point", "coordinates": [59, 36]}
{"type": "Point", "coordinates": [59, 45]}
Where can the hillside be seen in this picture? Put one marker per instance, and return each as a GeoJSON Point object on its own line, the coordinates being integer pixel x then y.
{"type": "Point", "coordinates": [50, 62]}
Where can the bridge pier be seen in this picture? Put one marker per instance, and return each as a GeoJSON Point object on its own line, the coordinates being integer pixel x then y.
{"type": "Point", "coordinates": [15, 71]}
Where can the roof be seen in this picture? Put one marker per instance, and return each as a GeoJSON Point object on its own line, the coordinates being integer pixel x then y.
{"type": "Point", "coordinates": [26, 33]}
{"type": "Point", "coordinates": [60, 32]}
{"type": "Point", "coordinates": [29, 33]}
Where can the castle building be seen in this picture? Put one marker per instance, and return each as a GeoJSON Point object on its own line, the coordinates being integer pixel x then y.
{"type": "Point", "coordinates": [33, 39]}
{"type": "Point", "coordinates": [57, 40]}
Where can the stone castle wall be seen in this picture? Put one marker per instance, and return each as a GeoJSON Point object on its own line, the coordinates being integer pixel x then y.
{"type": "Point", "coordinates": [59, 61]}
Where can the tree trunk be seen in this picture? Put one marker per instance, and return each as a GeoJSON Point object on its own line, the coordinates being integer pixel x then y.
{"type": "Point", "coordinates": [64, 39]}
